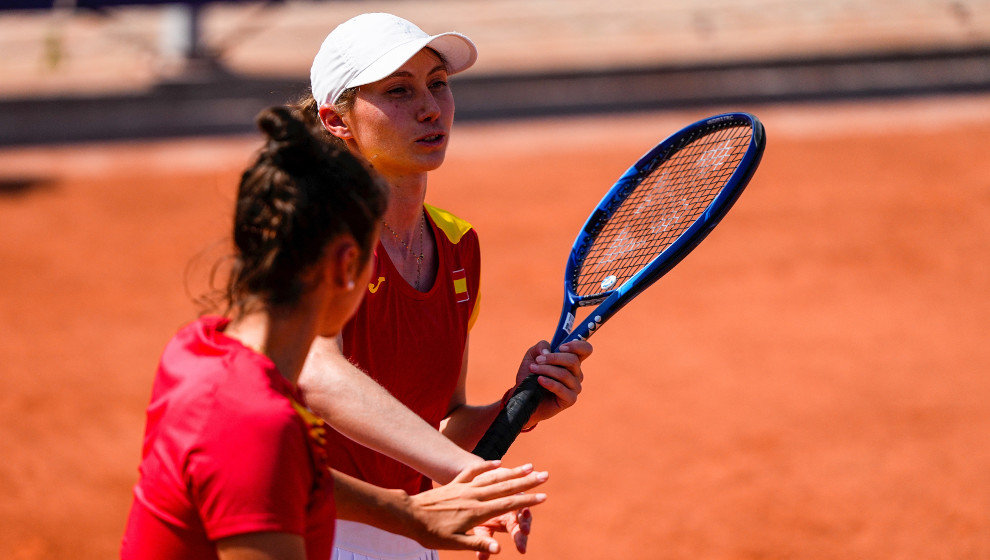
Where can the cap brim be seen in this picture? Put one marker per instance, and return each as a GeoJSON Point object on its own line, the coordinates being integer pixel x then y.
{"type": "Point", "coordinates": [456, 49]}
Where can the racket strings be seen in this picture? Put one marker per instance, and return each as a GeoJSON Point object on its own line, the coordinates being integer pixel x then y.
{"type": "Point", "coordinates": [669, 195]}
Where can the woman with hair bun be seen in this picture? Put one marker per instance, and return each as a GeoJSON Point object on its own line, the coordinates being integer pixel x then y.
{"type": "Point", "coordinates": [233, 464]}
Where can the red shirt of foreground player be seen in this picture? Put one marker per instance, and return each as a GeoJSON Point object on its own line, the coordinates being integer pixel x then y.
{"type": "Point", "coordinates": [227, 451]}
{"type": "Point", "coordinates": [232, 465]}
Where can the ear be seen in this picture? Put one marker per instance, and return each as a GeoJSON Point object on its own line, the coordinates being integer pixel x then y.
{"type": "Point", "coordinates": [346, 263]}
{"type": "Point", "coordinates": [334, 123]}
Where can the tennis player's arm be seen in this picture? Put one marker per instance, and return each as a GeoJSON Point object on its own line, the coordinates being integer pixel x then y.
{"type": "Point", "coordinates": [361, 409]}
{"type": "Point", "coordinates": [262, 546]}
{"type": "Point", "coordinates": [465, 423]}
{"type": "Point", "coordinates": [560, 373]}
{"type": "Point", "coordinates": [442, 518]}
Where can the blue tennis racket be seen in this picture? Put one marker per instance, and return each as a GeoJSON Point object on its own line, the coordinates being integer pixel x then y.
{"type": "Point", "coordinates": [651, 218]}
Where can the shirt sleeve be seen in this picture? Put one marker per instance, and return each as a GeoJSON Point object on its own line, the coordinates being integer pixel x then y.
{"type": "Point", "coordinates": [251, 473]}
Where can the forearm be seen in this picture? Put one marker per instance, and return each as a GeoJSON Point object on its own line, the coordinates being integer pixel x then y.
{"type": "Point", "coordinates": [466, 424]}
{"type": "Point", "coordinates": [366, 503]}
{"type": "Point", "coordinates": [358, 407]}
{"type": "Point", "coordinates": [443, 517]}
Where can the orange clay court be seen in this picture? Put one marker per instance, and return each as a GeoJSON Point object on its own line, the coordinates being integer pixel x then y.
{"type": "Point", "coordinates": [811, 383]}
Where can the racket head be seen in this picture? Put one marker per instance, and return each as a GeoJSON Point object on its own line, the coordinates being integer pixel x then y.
{"type": "Point", "coordinates": [724, 151]}
{"type": "Point", "coordinates": [656, 213]}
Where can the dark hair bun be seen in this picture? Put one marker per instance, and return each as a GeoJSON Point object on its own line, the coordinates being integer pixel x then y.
{"type": "Point", "coordinates": [298, 195]}
{"type": "Point", "coordinates": [289, 144]}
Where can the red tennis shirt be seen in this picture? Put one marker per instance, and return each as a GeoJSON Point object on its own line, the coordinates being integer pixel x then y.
{"type": "Point", "coordinates": [227, 451]}
{"type": "Point", "coordinates": [412, 343]}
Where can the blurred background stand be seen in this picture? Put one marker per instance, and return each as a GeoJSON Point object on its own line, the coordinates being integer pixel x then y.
{"type": "Point", "coordinates": [182, 50]}
{"type": "Point", "coordinates": [182, 42]}
{"type": "Point", "coordinates": [151, 68]}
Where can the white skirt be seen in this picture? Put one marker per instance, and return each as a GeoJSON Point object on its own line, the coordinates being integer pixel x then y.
{"type": "Point", "coordinates": [357, 541]}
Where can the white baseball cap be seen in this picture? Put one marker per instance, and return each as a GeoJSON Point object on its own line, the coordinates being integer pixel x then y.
{"type": "Point", "coordinates": [369, 47]}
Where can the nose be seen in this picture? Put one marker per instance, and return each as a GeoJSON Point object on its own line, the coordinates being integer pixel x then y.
{"type": "Point", "coordinates": [430, 109]}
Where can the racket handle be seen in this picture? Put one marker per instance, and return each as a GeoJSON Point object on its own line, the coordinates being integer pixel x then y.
{"type": "Point", "coordinates": [511, 420]}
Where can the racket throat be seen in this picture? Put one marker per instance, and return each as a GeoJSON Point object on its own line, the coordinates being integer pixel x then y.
{"type": "Point", "coordinates": [580, 321]}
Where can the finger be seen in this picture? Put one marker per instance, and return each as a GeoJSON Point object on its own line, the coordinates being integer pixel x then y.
{"type": "Point", "coordinates": [500, 489]}
{"type": "Point", "coordinates": [565, 395]}
{"type": "Point", "coordinates": [500, 506]}
{"type": "Point", "coordinates": [525, 518]}
{"type": "Point", "coordinates": [512, 526]}
{"type": "Point", "coordinates": [581, 348]}
{"type": "Point", "coordinates": [562, 359]}
{"type": "Point", "coordinates": [569, 375]}
{"type": "Point", "coordinates": [473, 471]}
{"type": "Point", "coordinates": [519, 537]}
{"type": "Point", "coordinates": [502, 474]}
{"type": "Point", "coordinates": [478, 543]}
{"type": "Point", "coordinates": [486, 533]}
{"type": "Point", "coordinates": [563, 363]}
{"type": "Point", "coordinates": [525, 524]}
{"type": "Point", "coordinates": [538, 349]}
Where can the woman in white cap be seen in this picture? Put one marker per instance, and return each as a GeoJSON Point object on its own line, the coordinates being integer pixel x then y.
{"type": "Point", "coordinates": [380, 89]}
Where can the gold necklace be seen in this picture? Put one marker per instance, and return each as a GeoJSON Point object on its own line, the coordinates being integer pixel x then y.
{"type": "Point", "coordinates": [419, 257]}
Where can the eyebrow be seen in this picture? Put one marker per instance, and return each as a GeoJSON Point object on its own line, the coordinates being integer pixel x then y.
{"type": "Point", "coordinates": [405, 74]}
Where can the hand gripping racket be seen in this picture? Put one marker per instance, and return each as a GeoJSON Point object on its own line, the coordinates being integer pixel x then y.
{"type": "Point", "coordinates": [651, 218]}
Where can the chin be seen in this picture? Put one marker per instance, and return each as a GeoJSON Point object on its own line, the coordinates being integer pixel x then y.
{"type": "Point", "coordinates": [433, 163]}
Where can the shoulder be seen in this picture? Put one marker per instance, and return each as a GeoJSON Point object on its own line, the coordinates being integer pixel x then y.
{"type": "Point", "coordinates": [235, 391]}
{"type": "Point", "coordinates": [455, 228]}
{"type": "Point", "coordinates": [257, 426]}
{"type": "Point", "coordinates": [253, 395]}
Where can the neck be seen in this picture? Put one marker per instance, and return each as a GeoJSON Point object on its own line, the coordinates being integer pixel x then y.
{"type": "Point", "coordinates": [285, 337]}
{"type": "Point", "coordinates": [405, 206]}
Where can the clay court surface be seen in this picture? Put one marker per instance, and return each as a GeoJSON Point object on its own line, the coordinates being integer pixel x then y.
{"type": "Point", "coordinates": [810, 384]}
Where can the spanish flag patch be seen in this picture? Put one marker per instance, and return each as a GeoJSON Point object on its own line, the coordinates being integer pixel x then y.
{"type": "Point", "coordinates": [460, 285]}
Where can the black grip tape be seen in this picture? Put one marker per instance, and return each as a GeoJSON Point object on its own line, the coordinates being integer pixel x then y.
{"type": "Point", "coordinates": [511, 420]}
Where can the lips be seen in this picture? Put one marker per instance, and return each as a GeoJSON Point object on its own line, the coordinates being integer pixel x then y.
{"type": "Point", "coordinates": [432, 139]}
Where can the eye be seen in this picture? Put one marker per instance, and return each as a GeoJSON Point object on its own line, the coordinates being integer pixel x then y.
{"type": "Point", "coordinates": [397, 90]}
{"type": "Point", "coordinates": [439, 83]}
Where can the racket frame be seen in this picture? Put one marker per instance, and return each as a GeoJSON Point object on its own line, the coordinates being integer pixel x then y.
{"type": "Point", "coordinates": [527, 396]}
{"type": "Point", "coordinates": [612, 301]}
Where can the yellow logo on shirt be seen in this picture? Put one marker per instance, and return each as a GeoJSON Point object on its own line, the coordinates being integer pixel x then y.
{"type": "Point", "coordinates": [316, 429]}
{"type": "Point", "coordinates": [374, 287]}
{"type": "Point", "coordinates": [315, 425]}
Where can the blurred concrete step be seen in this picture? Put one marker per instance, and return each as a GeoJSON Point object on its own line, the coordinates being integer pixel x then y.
{"type": "Point", "coordinates": [218, 102]}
